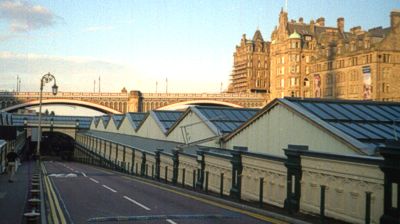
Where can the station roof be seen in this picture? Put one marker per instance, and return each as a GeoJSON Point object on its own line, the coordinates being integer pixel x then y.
{"type": "Point", "coordinates": [363, 124]}
{"type": "Point", "coordinates": [84, 122]}
{"type": "Point", "coordinates": [117, 118]}
{"type": "Point", "coordinates": [136, 118]}
{"type": "Point", "coordinates": [166, 118]}
{"type": "Point", "coordinates": [225, 119]}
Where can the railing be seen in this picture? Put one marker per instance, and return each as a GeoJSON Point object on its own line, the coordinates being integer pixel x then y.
{"type": "Point", "coordinates": [348, 188]}
{"type": "Point", "coordinates": [61, 94]}
{"type": "Point", "coordinates": [202, 95]}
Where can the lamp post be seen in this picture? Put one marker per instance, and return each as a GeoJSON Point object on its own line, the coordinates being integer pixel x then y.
{"type": "Point", "coordinates": [45, 79]}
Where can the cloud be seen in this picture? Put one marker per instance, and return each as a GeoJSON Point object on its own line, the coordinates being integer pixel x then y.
{"type": "Point", "coordinates": [73, 73]}
{"type": "Point", "coordinates": [98, 28]}
{"type": "Point", "coordinates": [23, 16]}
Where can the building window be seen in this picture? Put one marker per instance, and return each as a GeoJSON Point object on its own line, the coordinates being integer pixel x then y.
{"type": "Point", "coordinates": [307, 59]}
{"type": "Point", "coordinates": [330, 65]}
{"type": "Point", "coordinates": [307, 70]}
{"type": "Point", "coordinates": [354, 61]}
{"type": "Point", "coordinates": [282, 83]}
{"type": "Point", "coordinates": [386, 58]}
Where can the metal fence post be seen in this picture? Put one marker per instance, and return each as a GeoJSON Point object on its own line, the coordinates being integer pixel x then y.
{"type": "Point", "coordinates": [322, 204]}
{"type": "Point", "coordinates": [221, 186]}
{"type": "Point", "coordinates": [183, 177]}
{"type": "Point", "coordinates": [368, 207]}
{"type": "Point", "coordinates": [206, 187]}
{"type": "Point", "coordinates": [261, 191]}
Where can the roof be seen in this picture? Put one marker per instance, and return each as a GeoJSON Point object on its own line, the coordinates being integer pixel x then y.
{"type": "Point", "coordinates": [258, 36]}
{"type": "Point", "coordinates": [224, 120]}
{"type": "Point", "coordinates": [84, 122]}
{"type": "Point", "coordinates": [295, 35]}
{"type": "Point", "coordinates": [117, 118]}
{"type": "Point", "coordinates": [364, 125]}
{"type": "Point", "coordinates": [96, 120]}
{"type": "Point", "coordinates": [151, 145]}
{"type": "Point", "coordinates": [141, 143]}
{"type": "Point", "coordinates": [165, 118]}
{"type": "Point", "coordinates": [106, 119]}
{"type": "Point", "coordinates": [136, 118]}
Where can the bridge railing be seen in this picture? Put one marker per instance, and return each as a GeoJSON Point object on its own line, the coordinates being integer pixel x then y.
{"type": "Point", "coordinates": [61, 94]}
{"type": "Point", "coordinates": [202, 95]}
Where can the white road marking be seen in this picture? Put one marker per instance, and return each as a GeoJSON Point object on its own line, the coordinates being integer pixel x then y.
{"type": "Point", "coordinates": [94, 180]}
{"type": "Point", "coordinates": [83, 174]}
{"type": "Point", "coordinates": [137, 203]}
{"type": "Point", "coordinates": [109, 188]}
{"type": "Point", "coordinates": [171, 221]}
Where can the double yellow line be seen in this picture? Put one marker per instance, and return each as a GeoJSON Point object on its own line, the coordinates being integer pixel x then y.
{"type": "Point", "coordinates": [57, 214]}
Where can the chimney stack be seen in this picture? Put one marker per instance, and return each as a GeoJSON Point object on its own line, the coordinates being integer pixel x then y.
{"type": "Point", "coordinates": [312, 26]}
{"type": "Point", "coordinates": [321, 21]}
{"type": "Point", "coordinates": [340, 24]}
{"type": "Point", "coordinates": [395, 19]}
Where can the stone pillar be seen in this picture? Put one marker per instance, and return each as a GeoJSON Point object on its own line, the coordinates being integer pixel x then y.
{"type": "Point", "coordinates": [237, 168]}
{"type": "Point", "coordinates": [134, 101]}
{"type": "Point", "coordinates": [143, 164]}
{"type": "Point", "coordinates": [200, 171]}
{"type": "Point", "coordinates": [294, 173]}
{"type": "Point", "coordinates": [391, 170]}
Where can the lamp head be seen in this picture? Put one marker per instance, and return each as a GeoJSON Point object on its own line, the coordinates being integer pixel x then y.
{"type": "Point", "coordinates": [54, 89]}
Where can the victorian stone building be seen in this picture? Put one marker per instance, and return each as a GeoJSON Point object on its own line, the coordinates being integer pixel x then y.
{"type": "Point", "coordinates": [314, 60]}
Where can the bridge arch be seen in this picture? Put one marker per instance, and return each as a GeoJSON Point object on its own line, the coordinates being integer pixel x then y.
{"type": "Point", "coordinates": [198, 102]}
{"type": "Point", "coordinates": [91, 105]}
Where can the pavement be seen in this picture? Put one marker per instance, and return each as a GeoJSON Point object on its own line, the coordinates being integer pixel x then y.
{"type": "Point", "coordinates": [13, 196]}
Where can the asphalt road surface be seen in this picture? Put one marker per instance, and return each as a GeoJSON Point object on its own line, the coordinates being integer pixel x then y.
{"type": "Point", "coordinates": [88, 194]}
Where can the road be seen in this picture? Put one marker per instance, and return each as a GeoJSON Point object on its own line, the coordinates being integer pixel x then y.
{"type": "Point", "coordinates": [90, 194]}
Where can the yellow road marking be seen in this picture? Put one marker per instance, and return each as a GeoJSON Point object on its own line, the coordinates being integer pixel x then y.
{"type": "Point", "coordinates": [53, 214]}
{"type": "Point", "coordinates": [57, 203]}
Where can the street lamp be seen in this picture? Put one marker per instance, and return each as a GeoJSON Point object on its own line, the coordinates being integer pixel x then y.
{"type": "Point", "coordinates": [45, 79]}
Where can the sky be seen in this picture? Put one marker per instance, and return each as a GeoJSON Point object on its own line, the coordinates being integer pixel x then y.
{"type": "Point", "coordinates": [141, 44]}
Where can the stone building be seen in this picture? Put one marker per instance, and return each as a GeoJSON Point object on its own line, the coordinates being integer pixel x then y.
{"type": "Point", "coordinates": [314, 60]}
{"type": "Point", "coordinates": [251, 65]}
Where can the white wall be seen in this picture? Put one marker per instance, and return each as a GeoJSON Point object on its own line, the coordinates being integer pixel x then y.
{"type": "Point", "coordinates": [196, 129]}
{"type": "Point", "coordinates": [279, 127]}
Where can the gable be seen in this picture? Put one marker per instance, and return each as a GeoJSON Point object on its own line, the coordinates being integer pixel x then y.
{"type": "Point", "coordinates": [391, 42]}
{"type": "Point", "coordinates": [279, 127]}
{"type": "Point", "coordinates": [191, 129]}
{"type": "Point", "coordinates": [150, 129]}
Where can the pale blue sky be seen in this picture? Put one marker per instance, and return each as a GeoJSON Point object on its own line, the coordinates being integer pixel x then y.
{"type": "Point", "coordinates": [138, 43]}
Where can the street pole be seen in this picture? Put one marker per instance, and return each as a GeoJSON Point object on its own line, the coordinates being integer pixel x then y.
{"type": "Point", "coordinates": [39, 135]}
{"type": "Point", "coordinates": [45, 79]}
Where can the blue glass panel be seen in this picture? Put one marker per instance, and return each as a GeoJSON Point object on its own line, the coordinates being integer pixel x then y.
{"type": "Point", "coordinates": [316, 111]}
{"type": "Point", "coordinates": [329, 110]}
{"type": "Point", "coordinates": [348, 130]}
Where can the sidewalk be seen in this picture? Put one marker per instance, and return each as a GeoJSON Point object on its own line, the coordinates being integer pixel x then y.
{"type": "Point", "coordinates": [13, 196]}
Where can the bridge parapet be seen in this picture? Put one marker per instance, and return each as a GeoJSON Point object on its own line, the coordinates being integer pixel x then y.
{"type": "Point", "coordinates": [203, 95]}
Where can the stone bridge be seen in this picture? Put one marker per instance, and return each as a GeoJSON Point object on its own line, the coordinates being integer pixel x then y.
{"type": "Point", "coordinates": [133, 101]}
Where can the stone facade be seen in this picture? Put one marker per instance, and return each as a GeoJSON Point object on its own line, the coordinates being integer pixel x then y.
{"type": "Point", "coordinates": [251, 65]}
{"type": "Point", "coordinates": [314, 60]}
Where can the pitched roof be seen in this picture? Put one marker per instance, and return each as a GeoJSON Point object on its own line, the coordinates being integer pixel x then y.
{"type": "Point", "coordinates": [166, 118]}
{"type": "Point", "coordinates": [136, 118]}
{"type": "Point", "coordinates": [364, 125]}
{"type": "Point", "coordinates": [117, 118]}
{"type": "Point", "coordinates": [258, 36]}
{"type": "Point", "coordinates": [223, 120]}
{"type": "Point", "coordinates": [106, 120]}
{"type": "Point", "coordinates": [84, 121]}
